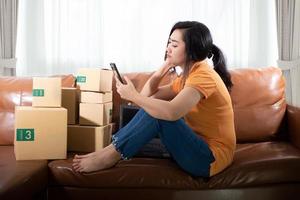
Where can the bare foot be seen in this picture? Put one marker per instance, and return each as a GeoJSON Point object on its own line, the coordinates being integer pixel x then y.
{"type": "Point", "coordinates": [98, 160]}
{"type": "Point", "coordinates": [83, 156]}
{"type": "Point", "coordinates": [77, 157]}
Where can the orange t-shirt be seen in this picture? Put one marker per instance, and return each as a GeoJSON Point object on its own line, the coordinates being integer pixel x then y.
{"type": "Point", "coordinates": [212, 117]}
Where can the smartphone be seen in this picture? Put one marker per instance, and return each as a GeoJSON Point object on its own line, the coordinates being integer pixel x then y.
{"type": "Point", "coordinates": [116, 72]}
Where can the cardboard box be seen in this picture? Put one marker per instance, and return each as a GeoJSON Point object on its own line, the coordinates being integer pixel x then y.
{"type": "Point", "coordinates": [88, 138]}
{"type": "Point", "coordinates": [40, 133]}
{"type": "Point", "coordinates": [70, 101]}
{"type": "Point", "coordinates": [95, 114]}
{"type": "Point", "coordinates": [46, 92]}
{"type": "Point", "coordinates": [95, 79]}
{"type": "Point", "coordinates": [95, 97]}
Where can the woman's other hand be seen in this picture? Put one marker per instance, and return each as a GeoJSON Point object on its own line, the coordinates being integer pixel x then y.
{"type": "Point", "coordinates": [166, 66]}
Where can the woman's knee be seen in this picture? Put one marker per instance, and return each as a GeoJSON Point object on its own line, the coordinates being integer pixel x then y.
{"type": "Point", "coordinates": [178, 122]}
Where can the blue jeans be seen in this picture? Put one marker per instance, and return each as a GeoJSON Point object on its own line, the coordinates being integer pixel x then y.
{"type": "Point", "coordinates": [190, 151]}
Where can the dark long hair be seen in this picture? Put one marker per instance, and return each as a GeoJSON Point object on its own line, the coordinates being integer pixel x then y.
{"type": "Point", "coordinates": [199, 46]}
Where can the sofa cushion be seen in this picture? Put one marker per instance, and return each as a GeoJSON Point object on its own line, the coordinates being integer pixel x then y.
{"type": "Point", "coordinates": [258, 102]}
{"type": "Point", "coordinates": [264, 192]}
{"type": "Point", "coordinates": [21, 179]}
{"type": "Point", "coordinates": [263, 163]}
{"type": "Point", "coordinates": [253, 165]}
{"type": "Point", "coordinates": [17, 91]}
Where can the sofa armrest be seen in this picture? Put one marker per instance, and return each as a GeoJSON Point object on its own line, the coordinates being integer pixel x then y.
{"type": "Point", "coordinates": [293, 118]}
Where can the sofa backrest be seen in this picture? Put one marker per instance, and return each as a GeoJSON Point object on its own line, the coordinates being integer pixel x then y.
{"type": "Point", "coordinates": [257, 96]}
{"type": "Point", "coordinates": [17, 91]}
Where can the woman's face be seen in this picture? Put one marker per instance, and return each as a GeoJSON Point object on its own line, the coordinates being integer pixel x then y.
{"type": "Point", "coordinates": [176, 49]}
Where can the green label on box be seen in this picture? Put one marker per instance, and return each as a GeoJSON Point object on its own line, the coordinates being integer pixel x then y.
{"type": "Point", "coordinates": [81, 79]}
{"type": "Point", "coordinates": [25, 134]}
{"type": "Point", "coordinates": [110, 112]}
{"type": "Point", "coordinates": [38, 92]}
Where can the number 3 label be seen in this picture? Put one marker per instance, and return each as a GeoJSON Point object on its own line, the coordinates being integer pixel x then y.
{"type": "Point", "coordinates": [25, 135]}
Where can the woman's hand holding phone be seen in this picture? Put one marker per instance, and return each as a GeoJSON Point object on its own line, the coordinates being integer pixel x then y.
{"type": "Point", "coordinates": [127, 91]}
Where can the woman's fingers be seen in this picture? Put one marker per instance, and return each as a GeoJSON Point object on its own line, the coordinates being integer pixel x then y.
{"type": "Point", "coordinates": [128, 81]}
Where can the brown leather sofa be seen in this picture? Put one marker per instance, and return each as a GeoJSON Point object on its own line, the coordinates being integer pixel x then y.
{"type": "Point", "coordinates": [266, 162]}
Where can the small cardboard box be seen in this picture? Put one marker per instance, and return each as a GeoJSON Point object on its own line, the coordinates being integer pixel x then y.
{"type": "Point", "coordinates": [95, 79]}
{"type": "Point", "coordinates": [88, 138]}
{"type": "Point", "coordinates": [95, 97]}
{"type": "Point", "coordinates": [95, 114]}
{"type": "Point", "coordinates": [70, 101]}
{"type": "Point", "coordinates": [46, 92]}
{"type": "Point", "coordinates": [40, 133]}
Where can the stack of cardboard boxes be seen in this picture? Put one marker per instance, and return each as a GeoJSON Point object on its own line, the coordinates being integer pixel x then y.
{"type": "Point", "coordinates": [95, 111]}
{"type": "Point", "coordinates": [49, 128]}
{"type": "Point", "coordinates": [41, 129]}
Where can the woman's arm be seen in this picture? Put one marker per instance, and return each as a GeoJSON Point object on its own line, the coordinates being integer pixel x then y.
{"type": "Point", "coordinates": [164, 92]}
{"type": "Point", "coordinates": [151, 86]}
{"type": "Point", "coordinates": [161, 109]}
{"type": "Point", "coordinates": [170, 110]}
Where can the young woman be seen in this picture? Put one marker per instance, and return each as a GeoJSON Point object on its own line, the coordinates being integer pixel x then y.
{"type": "Point", "coordinates": [193, 115]}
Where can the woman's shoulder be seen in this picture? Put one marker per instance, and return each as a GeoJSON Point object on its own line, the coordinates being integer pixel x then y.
{"type": "Point", "coordinates": [201, 67]}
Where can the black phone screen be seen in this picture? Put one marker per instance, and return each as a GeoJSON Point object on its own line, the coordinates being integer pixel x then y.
{"type": "Point", "coordinates": [116, 72]}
